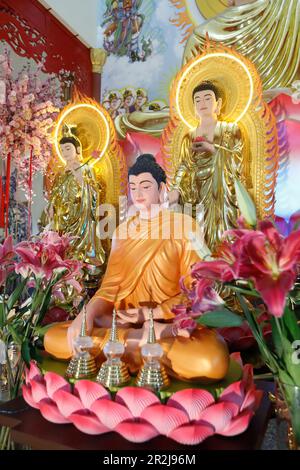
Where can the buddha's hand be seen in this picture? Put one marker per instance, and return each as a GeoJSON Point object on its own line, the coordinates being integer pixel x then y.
{"type": "Point", "coordinates": [75, 327]}
{"type": "Point", "coordinates": [138, 315]}
{"type": "Point", "coordinates": [131, 315]}
{"type": "Point", "coordinates": [203, 146]}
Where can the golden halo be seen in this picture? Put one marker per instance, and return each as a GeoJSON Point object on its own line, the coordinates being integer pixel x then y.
{"type": "Point", "coordinates": [92, 129]}
{"type": "Point", "coordinates": [228, 72]}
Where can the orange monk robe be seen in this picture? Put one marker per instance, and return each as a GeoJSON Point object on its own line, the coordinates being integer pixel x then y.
{"type": "Point", "coordinates": [147, 260]}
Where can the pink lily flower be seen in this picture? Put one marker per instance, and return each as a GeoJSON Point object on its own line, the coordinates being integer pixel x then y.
{"type": "Point", "coordinates": [271, 263]}
{"type": "Point", "coordinates": [6, 255]}
{"type": "Point", "coordinates": [45, 257]}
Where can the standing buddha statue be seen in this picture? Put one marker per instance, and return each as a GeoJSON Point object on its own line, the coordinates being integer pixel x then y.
{"type": "Point", "coordinates": [210, 159]}
{"type": "Point", "coordinates": [220, 130]}
{"type": "Point", "coordinates": [73, 201]}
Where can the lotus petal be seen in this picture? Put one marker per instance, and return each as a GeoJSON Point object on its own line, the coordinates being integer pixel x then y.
{"type": "Point", "coordinates": [51, 413]}
{"type": "Point", "coordinates": [38, 391]}
{"type": "Point", "coordinates": [192, 434]}
{"type": "Point", "coordinates": [234, 393]}
{"type": "Point", "coordinates": [192, 401]}
{"type": "Point", "coordinates": [238, 425]}
{"type": "Point", "coordinates": [110, 413]}
{"type": "Point", "coordinates": [252, 400]}
{"type": "Point", "coordinates": [55, 382]}
{"type": "Point", "coordinates": [136, 431]}
{"type": "Point", "coordinates": [164, 418]}
{"type": "Point", "coordinates": [136, 399]}
{"type": "Point", "coordinates": [27, 395]}
{"type": "Point", "coordinates": [33, 373]}
{"type": "Point", "coordinates": [89, 391]}
{"type": "Point", "coordinates": [67, 403]}
{"type": "Point", "coordinates": [87, 422]}
{"type": "Point", "coordinates": [219, 415]}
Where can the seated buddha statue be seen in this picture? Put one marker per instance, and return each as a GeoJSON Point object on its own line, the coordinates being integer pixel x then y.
{"type": "Point", "coordinates": [210, 159]}
{"type": "Point", "coordinates": [150, 253]}
{"type": "Point", "coordinates": [73, 201]}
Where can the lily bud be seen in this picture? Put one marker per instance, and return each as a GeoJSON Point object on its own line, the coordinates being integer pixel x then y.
{"type": "Point", "coordinates": [245, 203]}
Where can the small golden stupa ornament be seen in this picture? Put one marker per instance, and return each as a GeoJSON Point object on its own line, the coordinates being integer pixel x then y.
{"type": "Point", "coordinates": [152, 374]}
{"type": "Point", "coordinates": [82, 364]}
{"type": "Point", "coordinates": [113, 372]}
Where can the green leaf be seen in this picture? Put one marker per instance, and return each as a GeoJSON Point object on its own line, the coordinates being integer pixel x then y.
{"type": "Point", "coordinates": [34, 353]}
{"type": "Point", "coordinates": [220, 318]}
{"type": "Point", "coordinates": [2, 315]}
{"type": "Point", "coordinates": [250, 292]}
{"type": "Point", "coordinates": [25, 351]}
{"type": "Point", "coordinates": [14, 297]}
{"type": "Point", "coordinates": [290, 321]}
{"type": "Point", "coordinates": [276, 337]}
{"type": "Point", "coordinates": [44, 305]}
{"type": "Point", "coordinates": [258, 335]}
{"type": "Point", "coordinates": [16, 337]}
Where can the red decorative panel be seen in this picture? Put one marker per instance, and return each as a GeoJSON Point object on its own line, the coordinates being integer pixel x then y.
{"type": "Point", "coordinates": [33, 32]}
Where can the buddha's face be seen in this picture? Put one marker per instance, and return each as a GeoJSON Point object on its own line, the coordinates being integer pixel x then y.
{"type": "Point", "coordinates": [144, 190]}
{"type": "Point", "coordinates": [69, 153]}
{"type": "Point", "coordinates": [140, 100]}
{"type": "Point", "coordinates": [206, 104]}
{"type": "Point", "coordinates": [114, 104]}
{"type": "Point", "coordinates": [128, 100]}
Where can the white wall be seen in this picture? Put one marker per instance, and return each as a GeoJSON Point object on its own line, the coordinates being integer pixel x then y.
{"type": "Point", "coordinates": [79, 16]}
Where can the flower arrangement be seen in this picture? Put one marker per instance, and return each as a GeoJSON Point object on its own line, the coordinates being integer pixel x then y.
{"type": "Point", "coordinates": [28, 108]}
{"type": "Point", "coordinates": [31, 274]}
{"type": "Point", "coordinates": [259, 266]}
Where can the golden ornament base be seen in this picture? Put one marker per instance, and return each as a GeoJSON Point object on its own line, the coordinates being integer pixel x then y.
{"type": "Point", "coordinates": [113, 375]}
{"type": "Point", "coordinates": [153, 378]}
{"type": "Point", "coordinates": [81, 368]}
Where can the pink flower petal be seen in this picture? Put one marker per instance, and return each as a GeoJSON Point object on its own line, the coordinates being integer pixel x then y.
{"type": "Point", "coordinates": [234, 393]}
{"type": "Point", "coordinates": [238, 425]}
{"type": "Point", "coordinates": [55, 382]}
{"type": "Point", "coordinates": [133, 431]}
{"type": "Point", "coordinates": [87, 422]}
{"type": "Point", "coordinates": [164, 418]}
{"type": "Point", "coordinates": [252, 400]}
{"type": "Point", "coordinates": [33, 373]}
{"type": "Point", "coordinates": [136, 399]}
{"type": "Point", "coordinates": [219, 415]}
{"type": "Point", "coordinates": [67, 403]}
{"type": "Point", "coordinates": [51, 413]}
{"type": "Point", "coordinates": [27, 395]}
{"type": "Point", "coordinates": [274, 291]}
{"type": "Point", "coordinates": [192, 401]}
{"type": "Point", "coordinates": [290, 251]}
{"type": "Point", "coordinates": [192, 434]}
{"type": "Point", "coordinates": [89, 391]}
{"type": "Point", "coordinates": [38, 391]}
{"type": "Point", "coordinates": [110, 413]}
